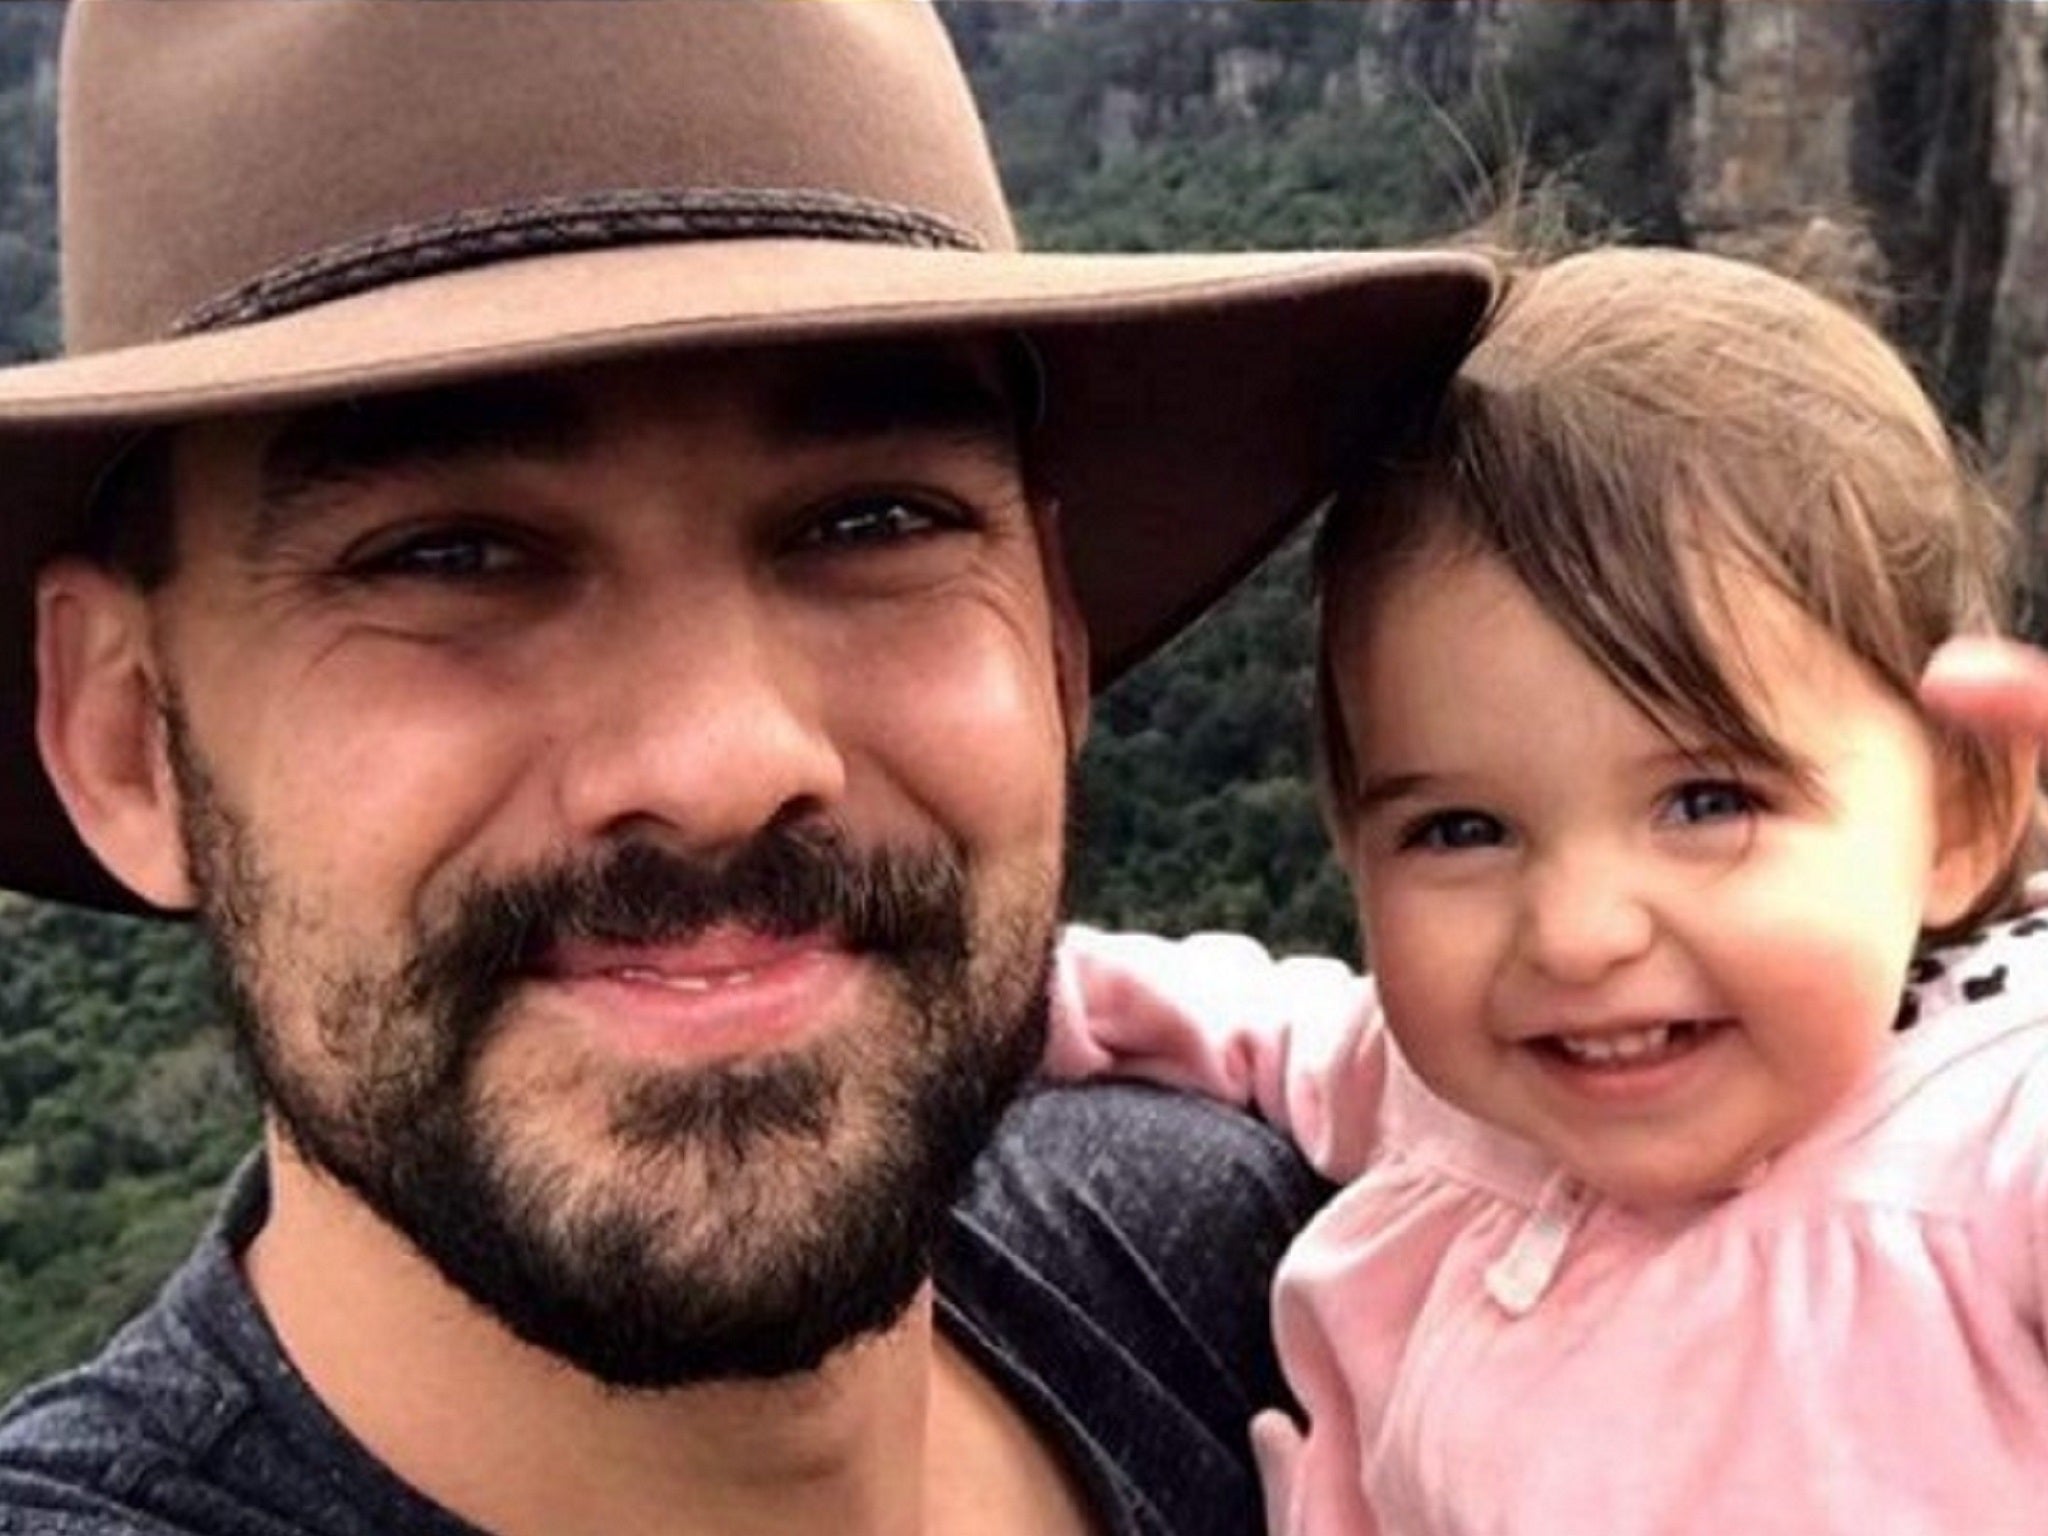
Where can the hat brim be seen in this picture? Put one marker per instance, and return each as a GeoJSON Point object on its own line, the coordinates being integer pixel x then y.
{"type": "Point", "coordinates": [1198, 407]}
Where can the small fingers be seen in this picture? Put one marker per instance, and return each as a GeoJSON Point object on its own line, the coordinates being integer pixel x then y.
{"type": "Point", "coordinates": [1995, 687]}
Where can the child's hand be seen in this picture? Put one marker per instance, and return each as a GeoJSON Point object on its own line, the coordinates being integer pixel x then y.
{"type": "Point", "coordinates": [1997, 687]}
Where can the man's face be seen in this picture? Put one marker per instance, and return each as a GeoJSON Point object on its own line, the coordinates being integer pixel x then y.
{"type": "Point", "coordinates": [628, 806]}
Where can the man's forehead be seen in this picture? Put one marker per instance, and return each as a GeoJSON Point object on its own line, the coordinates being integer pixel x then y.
{"type": "Point", "coordinates": [979, 391]}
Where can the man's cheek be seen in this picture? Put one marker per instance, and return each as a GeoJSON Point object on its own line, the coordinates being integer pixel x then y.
{"type": "Point", "coordinates": [967, 720]}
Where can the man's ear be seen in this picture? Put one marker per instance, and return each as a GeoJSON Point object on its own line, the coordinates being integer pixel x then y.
{"type": "Point", "coordinates": [1978, 834]}
{"type": "Point", "coordinates": [100, 728]}
{"type": "Point", "coordinates": [1069, 629]}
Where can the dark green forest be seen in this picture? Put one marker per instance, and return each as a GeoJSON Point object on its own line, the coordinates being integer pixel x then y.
{"type": "Point", "coordinates": [1142, 126]}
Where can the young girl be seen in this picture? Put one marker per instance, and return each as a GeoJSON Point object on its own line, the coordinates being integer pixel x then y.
{"type": "Point", "coordinates": [1696, 1139]}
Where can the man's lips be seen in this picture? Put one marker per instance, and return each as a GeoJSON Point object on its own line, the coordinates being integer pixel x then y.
{"type": "Point", "coordinates": [726, 992]}
{"type": "Point", "coordinates": [720, 955]}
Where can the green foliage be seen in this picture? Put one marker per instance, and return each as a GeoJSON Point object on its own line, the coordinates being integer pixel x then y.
{"type": "Point", "coordinates": [1323, 149]}
{"type": "Point", "coordinates": [120, 1112]}
{"type": "Point", "coordinates": [1338, 177]}
{"type": "Point", "coordinates": [28, 204]}
{"type": "Point", "coordinates": [1195, 805]}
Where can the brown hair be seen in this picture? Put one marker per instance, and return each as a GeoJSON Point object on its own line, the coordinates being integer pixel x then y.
{"type": "Point", "coordinates": [1632, 409]}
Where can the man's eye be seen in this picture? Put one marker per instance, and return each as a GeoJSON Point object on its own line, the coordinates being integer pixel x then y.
{"type": "Point", "coordinates": [456, 554]}
{"type": "Point", "coordinates": [876, 520]}
{"type": "Point", "coordinates": [1454, 831]}
{"type": "Point", "coordinates": [1702, 801]}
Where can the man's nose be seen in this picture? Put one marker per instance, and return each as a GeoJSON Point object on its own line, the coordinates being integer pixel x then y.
{"type": "Point", "coordinates": [699, 721]}
{"type": "Point", "coordinates": [1583, 916]}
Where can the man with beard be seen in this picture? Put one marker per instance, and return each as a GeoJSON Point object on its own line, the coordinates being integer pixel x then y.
{"type": "Point", "coordinates": [552, 538]}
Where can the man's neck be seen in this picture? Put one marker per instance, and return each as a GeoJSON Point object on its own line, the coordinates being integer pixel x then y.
{"type": "Point", "coordinates": [896, 1436]}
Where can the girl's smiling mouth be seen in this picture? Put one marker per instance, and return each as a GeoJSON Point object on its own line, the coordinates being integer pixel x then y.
{"type": "Point", "coordinates": [1638, 1045]}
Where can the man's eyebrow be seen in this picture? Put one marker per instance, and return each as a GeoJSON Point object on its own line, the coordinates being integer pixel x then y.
{"type": "Point", "coordinates": [879, 393]}
{"type": "Point", "coordinates": [354, 441]}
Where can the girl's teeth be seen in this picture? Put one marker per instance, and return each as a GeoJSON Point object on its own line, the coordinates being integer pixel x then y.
{"type": "Point", "coordinates": [1624, 1047]}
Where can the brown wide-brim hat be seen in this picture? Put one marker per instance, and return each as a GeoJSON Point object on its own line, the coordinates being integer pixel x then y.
{"type": "Point", "coordinates": [267, 205]}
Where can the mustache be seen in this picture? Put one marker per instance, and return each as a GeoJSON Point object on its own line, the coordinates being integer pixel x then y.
{"type": "Point", "coordinates": [906, 906]}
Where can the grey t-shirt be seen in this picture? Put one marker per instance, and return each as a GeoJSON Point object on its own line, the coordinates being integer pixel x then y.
{"type": "Point", "coordinates": [1108, 1265]}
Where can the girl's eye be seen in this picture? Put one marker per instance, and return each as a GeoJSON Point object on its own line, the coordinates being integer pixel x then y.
{"type": "Point", "coordinates": [1711, 800]}
{"type": "Point", "coordinates": [1454, 831]}
{"type": "Point", "coordinates": [876, 520]}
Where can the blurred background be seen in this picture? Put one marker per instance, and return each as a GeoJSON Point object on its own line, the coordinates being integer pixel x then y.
{"type": "Point", "coordinates": [1894, 152]}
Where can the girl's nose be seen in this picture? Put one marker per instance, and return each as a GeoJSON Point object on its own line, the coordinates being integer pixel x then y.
{"type": "Point", "coordinates": [1582, 918]}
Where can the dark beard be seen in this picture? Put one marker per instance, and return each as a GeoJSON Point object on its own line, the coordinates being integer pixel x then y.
{"type": "Point", "coordinates": [749, 1218]}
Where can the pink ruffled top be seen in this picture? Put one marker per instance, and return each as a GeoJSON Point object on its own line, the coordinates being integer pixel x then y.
{"type": "Point", "coordinates": [1852, 1345]}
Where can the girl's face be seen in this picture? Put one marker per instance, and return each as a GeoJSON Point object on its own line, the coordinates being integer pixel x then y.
{"type": "Point", "coordinates": [1660, 966]}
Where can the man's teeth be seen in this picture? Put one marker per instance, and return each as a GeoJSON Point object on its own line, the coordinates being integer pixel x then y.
{"type": "Point", "coordinates": [694, 982]}
{"type": "Point", "coordinates": [1628, 1046]}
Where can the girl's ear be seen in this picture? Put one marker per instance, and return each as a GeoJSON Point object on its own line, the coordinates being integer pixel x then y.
{"type": "Point", "coordinates": [100, 729]}
{"type": "Point", "coordinates": [1979, 835]}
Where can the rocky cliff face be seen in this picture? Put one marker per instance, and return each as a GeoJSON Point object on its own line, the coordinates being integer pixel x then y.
{"type": "Point", "coordinates": [2016, 371]}
{"type": "Point", "coordinates": [1767, 140]}
{"type": "Point", "coordinates": [1899, 153]}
